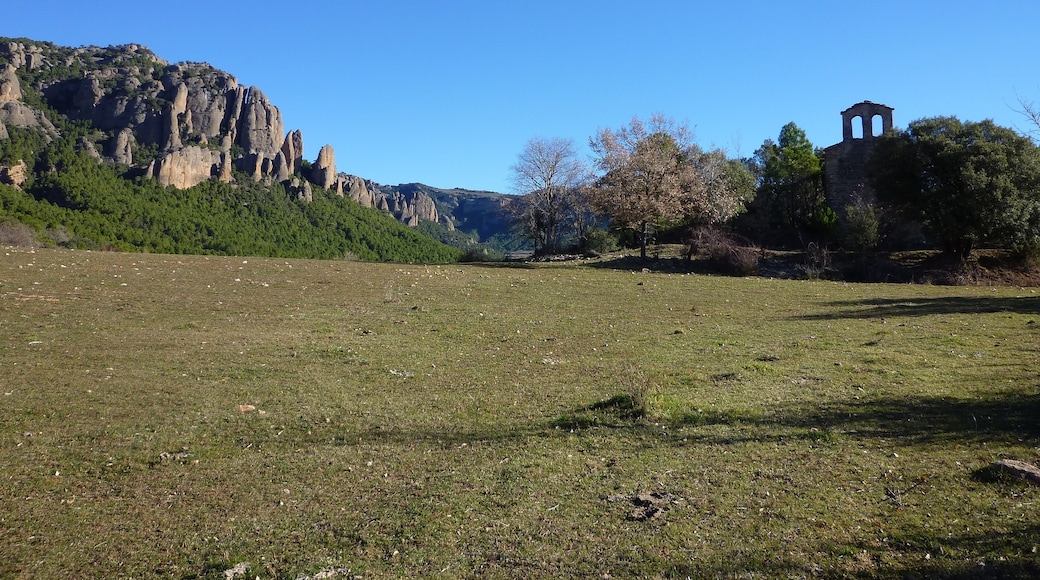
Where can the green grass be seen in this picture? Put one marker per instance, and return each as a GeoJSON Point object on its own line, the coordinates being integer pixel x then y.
{"type": "Point", "coordinates": [467, 421]}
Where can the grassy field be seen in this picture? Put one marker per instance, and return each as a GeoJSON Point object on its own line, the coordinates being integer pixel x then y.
{"type": "Point", "coordinates": [204, 417]}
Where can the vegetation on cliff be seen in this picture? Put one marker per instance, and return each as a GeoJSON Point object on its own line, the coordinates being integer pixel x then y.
{"type": "Point", "coordinates": [86, 204]}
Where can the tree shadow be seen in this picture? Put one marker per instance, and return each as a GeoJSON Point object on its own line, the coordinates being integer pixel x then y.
{"type": "Point", "coordinates": [977, 555]}
{"type": "Point", "coordinates": [903, 420]}
{"type": "Point", "coordinates": [921, 554]}
{"type": "Point", "coordinates": [932, 419]}
{"type": "Point", "coordinates": [669, 264]}
{"type": "Point", "coordinates": [896, 307]}
{"type": "Point", "coordinates": [501, 264]}
{"type": "Point", "coordinates": [910, 420]}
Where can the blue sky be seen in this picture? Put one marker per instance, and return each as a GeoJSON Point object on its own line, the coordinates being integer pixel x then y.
{"type": "Point", "coordinates": [447, 93]}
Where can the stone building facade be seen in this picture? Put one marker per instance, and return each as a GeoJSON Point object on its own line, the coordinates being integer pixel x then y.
{"type": "Point", "coordinates": [845, 163]}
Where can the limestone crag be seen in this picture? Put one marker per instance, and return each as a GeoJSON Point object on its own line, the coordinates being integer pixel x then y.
{"type": "Point", "coordinates": [168, 106]}
{"type": "Point", "coordinates": [410, 207]}
{"type": "Point", "coordinates": [292, 148]}
{"type": "Point", "coordinates": [187, 166]}
{"type": "Point", "coordinates": [180, 123]}
{"type": "Point", "coordinates": [15, 175]}
{"type": "Point", "coordinates": [21, 55]}
{"type": "Point", "coordinates": [301, 189]}
{"type": "Point", "coordinates": [407, 204]}
{"type": "Point", "coordinates": [358, 190]}
{"type": "Point", "coordinates": [121, 148]}
{"type": "Point", "coordinates": [14, 113]}
{"type": "Point", "coordinates": [18, 114]}
{"type": "Point", "coordinates": [323, 173]}
{"type": "Point", "coordinates": [260, 127]}
{"type": "Point", "coordinates": [280, 170]}
{"type": "Point", "coordinates": [10, 88]}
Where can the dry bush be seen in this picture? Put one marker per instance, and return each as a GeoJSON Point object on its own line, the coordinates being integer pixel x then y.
{"type": "Point", "coordinates": [726, 252]}
{"type": "Point", "coordinates": [14, 233]}
{"type": "Point", "coordinates": [817, 262]}
{"type": "Point", "coordinates": [60, 236]}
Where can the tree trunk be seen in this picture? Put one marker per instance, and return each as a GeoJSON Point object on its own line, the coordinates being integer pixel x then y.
{"type": "Point", "coordinates": [642, 242]}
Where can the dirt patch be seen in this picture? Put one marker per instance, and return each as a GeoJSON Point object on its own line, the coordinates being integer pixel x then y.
{"type": "Point", "coordinates": [647, 505]}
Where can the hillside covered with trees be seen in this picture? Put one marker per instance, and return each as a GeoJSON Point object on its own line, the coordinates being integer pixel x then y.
{"type": "Point", "coordinates": [116, 148]}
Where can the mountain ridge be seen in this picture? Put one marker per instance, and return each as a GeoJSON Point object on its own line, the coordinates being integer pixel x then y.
{"type": "Point", "coordinates": [186, 123]}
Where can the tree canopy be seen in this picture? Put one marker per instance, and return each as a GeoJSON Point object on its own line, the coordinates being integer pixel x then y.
{"type": "Point", "coordinates": [654, 174]}
{"type": "Point", "coordinates": [790, 190]}
{"type": "Point", "coordinates": [969, 183]}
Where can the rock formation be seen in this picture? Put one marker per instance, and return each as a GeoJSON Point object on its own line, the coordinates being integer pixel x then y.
{"type": "Point", "coordinates": [301, 189]}
{"type": "Point", "coordinates": [166, 118]}
{"type": "Point", "coordinates": [174, 117]}
{"type": "Point", "coordinates": [18, 114]}
{"type": "Point", "coordinates": [224, 176]}
{"type": "Point", "coordinates": [412, 206]}
{"type": "Point", "coordinates": [186, 167]}
{"type": "Point", "coordinates": [10, 88]}
{"type": "Point", "coordinates": [280, 169]}
{"type": "Point", "coordinates": [260, 127]}
{"type": "Point", "coordinates": [15, 175]}
{"type": "Point", "coordinates": [120, 149]}
{"type": "Point", "coordinates": [88, 94]}
{"type": "Point", "coordinates": [292, 149]}
{"type": "Point", "coordinates": [14, 113]}
{"type": "Point", "coordinates": [358, 190]}
{"type": "Point", "coordinates": [88, 146]}
{"type": "Point", "coordinates": [323, 174]}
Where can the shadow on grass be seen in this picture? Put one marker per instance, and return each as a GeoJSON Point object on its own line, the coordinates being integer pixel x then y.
{"type": "Point", "coordinates": [904, 420]}
{"type": "Point", "coordinates": [500, 265]}
{"type": "Point", "coordinates": [885, 307]}
{"type": "Point", "coordinates": [969, 555]}
{"type": "Point", "coordinates": [916, 420]}
{"type": "Point", "coordinates": [920, 555]}
{"type": "Point", "coordinates": [636, 264]}
{"type": "Point", "coordinates": [901, 421]}
{"type": "Point", "coordinates": [618, 411]}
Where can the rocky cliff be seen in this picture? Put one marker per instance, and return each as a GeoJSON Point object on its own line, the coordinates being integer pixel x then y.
{"type": "Point", "coordinates": [179, 123]}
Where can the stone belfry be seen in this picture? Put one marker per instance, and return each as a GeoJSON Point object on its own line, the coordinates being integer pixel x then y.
{"type": "Point", "coordinates": [845, 163]}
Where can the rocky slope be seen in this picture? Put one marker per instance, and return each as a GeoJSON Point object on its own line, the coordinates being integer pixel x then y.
{"type": "Point", "coordinates": [185, 123]}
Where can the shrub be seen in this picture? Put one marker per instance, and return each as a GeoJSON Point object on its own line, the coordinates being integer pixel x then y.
{"type": "Point", "coordinates": [636, 400]}
{"type": "Point", "coordinates": [599, 242]}
{"type": "Point", "coordinates": [475, 254]}
{"type": "Point", "coordinates": [726, 252]}
{"type": "Point", "coordinates": [60, 236]}
{"type": "Point", "coordinates": [860, 230]}
{"type": "Point", "coordinates": [15, 233]}
{"type": "Point", "coordinates": [817, 262]}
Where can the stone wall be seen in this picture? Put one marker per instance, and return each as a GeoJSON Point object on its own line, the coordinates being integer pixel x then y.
{"type": "Point", "coordinates": [845, 163]}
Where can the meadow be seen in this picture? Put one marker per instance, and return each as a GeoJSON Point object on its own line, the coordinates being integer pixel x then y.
{"type": "Point", "coordinates": [216, 417]}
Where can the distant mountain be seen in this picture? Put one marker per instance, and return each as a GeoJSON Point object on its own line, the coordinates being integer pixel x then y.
{"type": "Point", "coordinates": [479, 214]}
{"type": "Point", "coordinates": [183, 125]}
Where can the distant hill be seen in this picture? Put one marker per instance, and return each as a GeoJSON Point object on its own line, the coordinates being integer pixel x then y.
{"type": "Point", "coordinates": [160, 135]}
{"type": "Point", "coordinates": [478, 214]}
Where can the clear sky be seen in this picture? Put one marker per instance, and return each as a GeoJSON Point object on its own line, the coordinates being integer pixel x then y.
{"type": "Point", "coordinates": [448, 92]}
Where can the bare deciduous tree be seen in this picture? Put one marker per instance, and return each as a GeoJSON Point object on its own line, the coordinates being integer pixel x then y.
{"type": "Point", "coordinates": [1032, 114]}
{"type": "Point", "coordinates": [728, 186]}
{"type": "Point", "coordinates": [549, 175]}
